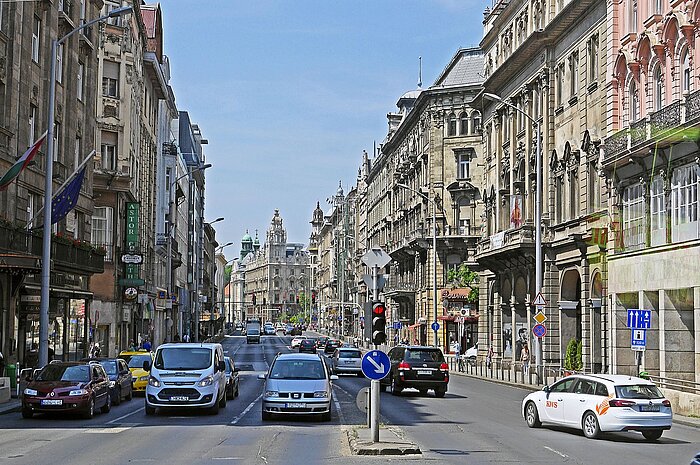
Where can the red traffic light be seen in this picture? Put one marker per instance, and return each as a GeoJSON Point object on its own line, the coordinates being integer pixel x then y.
{"type": "Point", "coordinates": [378, 309]}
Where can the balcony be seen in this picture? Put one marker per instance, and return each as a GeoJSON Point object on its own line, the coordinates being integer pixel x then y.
{"type": "Point", "coordinates": [507, 249]}
{"type": "Point", "coordinates": [665, 125]}
{"type": "Point", "coordinates": [400, 285]}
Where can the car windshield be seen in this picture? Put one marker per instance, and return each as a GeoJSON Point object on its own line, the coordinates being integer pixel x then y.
{"type": "Point", "coordinates": [253, 332]}
{"type": "Point", "coordinates": [297, 369]}
{"type": "Point", "coordinates": [110, 366]}
{"type": "Point", "coordinates": [136, 361]}
{"type": "Point", "coordinates": [349, 354]}
{"type": "Point", "coordinates": [184, 358]}
{"type": "Point", "coordinates": [424, 355]}
{"type": "Point", "coordinates": [639, 391]}
{"type": "Point", "coordinates": [79, 373]}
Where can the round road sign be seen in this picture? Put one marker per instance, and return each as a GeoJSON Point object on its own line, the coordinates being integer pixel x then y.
{"type": "Point", "coordinates": [435, 326]}
{"type": "Point", "coordinates": [539, 330]}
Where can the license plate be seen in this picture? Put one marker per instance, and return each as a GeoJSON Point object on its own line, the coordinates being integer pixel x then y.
{"type": "Point", "coordinates": [179, 398]}
{"type": "Point", "coordinates": [296, 405]}
{"type": "Point", "coordinates": [52, 402]}
{"type": "Point", "coordinates": [424, 372]}
{"type": "Point", "coordinates": [649, 408]}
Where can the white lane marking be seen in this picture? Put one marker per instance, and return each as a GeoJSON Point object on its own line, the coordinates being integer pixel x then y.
{"type": "Point", "coordinates": [124, 416]}
{"type": "Point", "coordinates": [247, 409]}
{"type": "Point", "coordinates": [106, 430]}
{"type": "Point", "coordinates": [228, 458]}
{"type": "Point", "coordinates": [556, 452]}
{"type": "Point", "coordinates": [342, 390]}
{"type": "Point", "coordinates": [337, 408]}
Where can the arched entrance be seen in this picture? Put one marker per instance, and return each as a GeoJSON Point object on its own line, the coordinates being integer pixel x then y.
{"type": "Point", "coordinates": [599, 348]}
{"type": "Point", "coordinates": [570, 312]}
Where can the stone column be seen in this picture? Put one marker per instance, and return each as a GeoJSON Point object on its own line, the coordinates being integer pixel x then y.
{"type": "Point", "coordinates": [613, 333]}
{"type": "Point", "coordinates": [662, 334]}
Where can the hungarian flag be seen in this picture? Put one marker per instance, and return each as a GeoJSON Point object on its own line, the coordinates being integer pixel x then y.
{"type": "Point", "coordinates": [66, 200]}
{"type": "Point", "coordinates": [20, 164]}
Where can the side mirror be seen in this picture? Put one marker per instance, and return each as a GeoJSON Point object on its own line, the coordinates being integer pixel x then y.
{"type": "Point", "coordinates": [261, 376]}
{"type": "Point", "coordinates": [545, 388]}
{"type": "Point", "coordinates": [222, 366]}
{"type": "Point", "coordinates": [334, 377]}
{"type": "Point", "coordinates": [146, 366]}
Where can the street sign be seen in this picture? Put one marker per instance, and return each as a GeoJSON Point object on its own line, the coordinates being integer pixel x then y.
{"type": "Point", "coordinates": [130, 293]}
{"type": "Point", "coordinates": [131, 282]}
{"type": "Point", "coordinates": [539, 300]}
{"type": "Point", "coordinates": [435, 326]}
{"type": "Point", "coordinates": [381, 281]}
{"type": "Point", "coordinates": [639, 339]}
{"type": "Point", "coordinates": [638, 319]}
{"type": "Point", "coordinates": [539, 318]}
{"type": "Point", "coordinates": [375, 364]}
{"type": "Point", "coordinates": [396, 325]}
{"type": "Point", "coordinates": [539, 330]}
{"type": "Point", "coordinates": [132, 258]}
{"type": "Point", "coordinates": [376, 257]}
{"type": "Point", "coordinates": [362, 399]}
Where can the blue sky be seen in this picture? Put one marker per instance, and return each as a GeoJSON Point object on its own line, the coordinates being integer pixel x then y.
{"type": "Point", "coordinates": [289, 93]}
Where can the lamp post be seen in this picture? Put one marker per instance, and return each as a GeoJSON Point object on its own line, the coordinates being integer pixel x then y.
{"type": "Point", "coordinates": [172, 227]}
{"type": "Point", "coordinates": [48, 187]}
{"type": "Point", "coordinates": [538, 215]}
{"type": "Point", "coordinates": [435, 297]}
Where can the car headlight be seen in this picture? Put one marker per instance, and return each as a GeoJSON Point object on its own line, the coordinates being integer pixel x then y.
{"type": "Point", "coordinates": [30, 392]}
{"type": "Point", "coordinates": [206, 381]}
{"type": "Point", "coordinates": [112, 383]}
{"type": "Point", "coordinates": [143, 378]}
{"type": "Point", "coordinates": [78, 392]}
{"type": "Point", "coordinates": [153, 381]}
{"type": "Point", "coordinates": [272, 394]}
{"type": "Point", "coordinates": [322, 394]}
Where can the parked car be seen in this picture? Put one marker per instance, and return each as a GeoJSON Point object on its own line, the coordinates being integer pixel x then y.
{"type": "Point", "coordinates": [599, 403]}
{"type": "Point", "coordinates": [134, 360]}
{"type": "Point", "coordinates": [347, 360]}
{"type": "Point", "coordinates": [308, 345]}
{"type": "Point", "coordinates": [321, 342]}
{"type": "Point", "coordinates": [120, 381]}
{"type": "Point", "coordinates": [418, 367]}
{"type": "Point", "coordinates": [297, 384]}
{"type": "Point", "coordinates": [199, 370]}
{"type": "Point", "coordinates": [331, 345]}
{"type": "Point", "coordinates": [232, 379]}
{"type": "Point", "coordinates": [296, 341]}
{"type": "Point", "coordinates": [76, 387]}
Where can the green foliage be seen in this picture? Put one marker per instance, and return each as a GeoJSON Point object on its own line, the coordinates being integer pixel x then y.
{"type": "Point", "coordinates": [462, 276]}
{"type": "Point", "coordinates": [573, 359]}
{"type": "Point", "coordinates": [227, 273]}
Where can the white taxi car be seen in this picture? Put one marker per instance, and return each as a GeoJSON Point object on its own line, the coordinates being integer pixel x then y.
{"type": "Point", "coordinates": [296, 341]}
{"type": "Point", "coordinates": [597, 403]}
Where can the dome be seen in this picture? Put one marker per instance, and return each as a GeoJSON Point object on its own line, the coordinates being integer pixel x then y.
{"type": "Point", "coordinates": [247, 238]}
{"type": "Point", "coordinates": [412, 94]}
{"type": "Point", "coordinates": [340, 190]}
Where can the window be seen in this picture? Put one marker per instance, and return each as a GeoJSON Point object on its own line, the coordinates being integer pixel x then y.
{"type": "Point", "coordinates": [452, 125]}
{"type": "Point", "coordinates": [463, 124]}
{"type": "Point", "coordinates": [76, 153]}
{"type": "Point", "coordinates": [476, 122]}
{"type": "Point", "coordinates": [34, 203]}
{"type": "Point", "coordinates": [634, 101]}
{"type": "Point", "coordinates": [110, 79]}
{"type": "Point", "coordinates": [168, 178]}
{"type": "Point", "coordinates": [573, 74]}
{"type": "Point", "coordinates": [685, 184]}
{"type": "Point", "coordinates": [36, 34]}
{"type": "Point", "coordinates": [32, 125]}
{"type": "Point", "coordinates": [658, 211]}
{"type": "Point", "coordinates": [56, 141]}
{"type": "Point", "coordinates": [109, 6]}
{"type": "Point", "coordinates": [685, 70]}
{"type": "Point", "coordinates": [593, 188]}
{"type": "Point", "coordinates": [559, 85]}
{"type": "Point", "coordinates": [633, 15]}
{"type": "Point", "coordinates": [593, 58]}
{"type": "Point", "coordinates": [59, 63]}
{"type": "Point", "coordinates": [563, 386]}
{"type": "Point", "coordinates": [102, 229]}
{"type": "Point", "coordinates": [633, 221]}
{"type": "Point", "coordinates": [659, 6]}
{"type": "Point", "coordinates": [506, 127]}
{"type": "Point", "coordinates": [573, 193]}
{"type": "Point", "coordinates": [463, 166]}
{"type": "Point", "coordinates": [658, 88]}
{"type": "Point", "coordinates": [559, 200]}
{"type": "Point", "coordinates": [519, 115]}
{"type": "Point", "coordinates": [108, 150]}
{"type": "Point", "coordinates": [80, 80]}
{"type": "Point", "coordinates": [1, 11]}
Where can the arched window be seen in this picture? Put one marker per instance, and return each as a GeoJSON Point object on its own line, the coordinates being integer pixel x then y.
{"type": "Point", "coordinates": [452, 125]}
{"type": "Point", "coordinates": [476, 122]}
{"type": "Point", "coordinates": [658, 88]}
{"type": "Point", "coordinates": [463, 124]}
{"type": "Point", "coordinates": [634, 102]}
{"type": "Point", "coordinates": [633, 11]}
{"type": "Point", "coordinates": [685, 70]}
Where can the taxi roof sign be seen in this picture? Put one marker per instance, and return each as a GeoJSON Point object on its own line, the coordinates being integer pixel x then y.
{"type": "Point", "coordinates": [539, 300]}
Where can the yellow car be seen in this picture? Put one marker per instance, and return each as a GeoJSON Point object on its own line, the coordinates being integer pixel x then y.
{"type": "Point", "coordinates": [135, 359]}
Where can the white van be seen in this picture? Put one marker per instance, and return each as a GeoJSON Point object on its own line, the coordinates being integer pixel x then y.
{"type": "Point", "coordinates": [187, 375]}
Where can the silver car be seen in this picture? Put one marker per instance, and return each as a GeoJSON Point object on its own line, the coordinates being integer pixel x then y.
{"type": "Point", "coordinates": [298, 384]}
{"type": "Point", "coordinates": [347, 360]}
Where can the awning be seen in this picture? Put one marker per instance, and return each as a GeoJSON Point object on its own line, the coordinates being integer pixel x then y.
{"type": "Point", "coordinates": [62, 292]}
{"type": "Point", "coordinates": [20, 263]}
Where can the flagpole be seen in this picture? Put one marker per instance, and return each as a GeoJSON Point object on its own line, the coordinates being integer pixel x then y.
{"type": "Point", "coordinates": [68, 179]}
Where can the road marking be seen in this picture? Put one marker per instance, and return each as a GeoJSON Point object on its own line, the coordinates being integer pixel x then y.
{"type": "Point", "coordinates": [337, 407]}
{"type": "Point", "coordinates": [342, 390]}
{"type": "Point", "coordinates": [247, 409]}
{"type": "Point", "coordinates": [556, 452]}
{"type": "Point", "coordinates": [106, 430]}
{"type": "Point", "coordinates": [228, 458]}
{"type": "Point", "coordinates": [124, 416]}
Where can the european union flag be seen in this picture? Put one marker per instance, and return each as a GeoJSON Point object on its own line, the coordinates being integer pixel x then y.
{"type": "Point", "coordinates": [66, 200]}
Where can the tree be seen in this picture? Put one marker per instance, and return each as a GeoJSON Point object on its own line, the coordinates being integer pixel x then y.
{"type": "Point", "coordinates": [573, 359]}
{"type": "Point", "coordinates": [462, 276]}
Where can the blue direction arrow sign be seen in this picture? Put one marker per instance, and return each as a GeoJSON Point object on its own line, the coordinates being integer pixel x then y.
{"type": "Point", "coordinates": [375, 364]}
{"type": "Point", "coordinates": [638, 319]}
{"type": "Point", "coordinates": [435, 326]}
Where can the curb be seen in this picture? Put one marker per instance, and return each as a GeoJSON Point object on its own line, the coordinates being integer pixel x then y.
{"type": "Point", "coordinates": [381, 448]}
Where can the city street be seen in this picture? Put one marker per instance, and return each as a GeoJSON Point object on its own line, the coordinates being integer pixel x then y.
{"type": "Point", "coordinates": [477, 422]}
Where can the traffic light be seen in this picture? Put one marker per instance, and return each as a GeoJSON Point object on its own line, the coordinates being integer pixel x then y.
{"type": "Point", "coordinates": [313, 298]}
{"type": "Point", "coordinates": [378, 323]}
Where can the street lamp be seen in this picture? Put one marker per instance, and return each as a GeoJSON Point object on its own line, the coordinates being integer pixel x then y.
{"type": "Point", "coordinates": [435, 297]}
{"type": "Point", "coordinates": [538, 215]}
{"type": "Point", "coordinates": [172, 226]}
{"type": "Point", "coordinates": [48, 187]}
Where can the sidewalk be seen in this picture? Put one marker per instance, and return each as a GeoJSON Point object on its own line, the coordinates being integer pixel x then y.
{"type": "Point", "coordinates": [14, 405]}
{"type": "Point", "coordinates": [391, 442]}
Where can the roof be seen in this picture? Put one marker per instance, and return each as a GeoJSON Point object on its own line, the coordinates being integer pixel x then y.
{"type": "Point", "coordinates": [466, 67]}
{"type": "Point", "coordinates": [620, 379]}
{"type": "Point", "coordinates": [297, 356]}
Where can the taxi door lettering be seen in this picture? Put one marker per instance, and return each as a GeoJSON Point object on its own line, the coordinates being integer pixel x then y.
{"type": "Point", "coordinates": [551, 403]}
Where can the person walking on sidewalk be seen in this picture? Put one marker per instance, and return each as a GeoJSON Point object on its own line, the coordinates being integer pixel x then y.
{"type": "Point", "coordinates": [525, 358]}
{"type": "Point", "coordinates": [457, 349]}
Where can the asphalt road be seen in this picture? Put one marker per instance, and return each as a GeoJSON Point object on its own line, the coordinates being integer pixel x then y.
{"type": "Point", "coordinates": [477, 422]}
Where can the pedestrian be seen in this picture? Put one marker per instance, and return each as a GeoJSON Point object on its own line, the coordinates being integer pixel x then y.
{"type": "Point", "coordinates": [176, 338]}
{"type": "Point", "coordinates": [147, 345]}
{"type": "Point", "coordinates": [489, 357]}
{"type": "Point", "coordinates": [457, 349]}
{"type": "Point", "coordinates": [132, 346]}
{"type": "Point", "coordinates": [186, 338]}
{"type": "Point", "coordinates": [525, 358]}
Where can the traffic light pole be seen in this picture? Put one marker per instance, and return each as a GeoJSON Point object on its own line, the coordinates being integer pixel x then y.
{"type": "Point", "coordinates": [374, 385]}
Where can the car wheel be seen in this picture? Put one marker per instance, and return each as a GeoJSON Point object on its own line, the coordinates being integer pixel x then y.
{"type": "Point", "coordinates": [130, 395]}
{"type": "Point", "coordinates": [150, 410]}
{"type": "Point", "coordinates": [27, 413]}
{"type": "Point", "coordinates": [214, 409]}
{"type": "Point", "coordinates": [266, 416]}
{"type": "Point", "coordinates": [440, 392]}
{"type": "Point", "coordinates": [652, 434]}
{"type": "Point", "coordinates": [118, 397]}
{"type": "Point", "coordinates": [591, 428]}
{"type": "Point", "coordinates": [108, 405]}
{"type": "Point", "coordinates": [90, 411]}
{"type": "Point", "coordinates": [395, 388]}
{"type": "Point", "coordinates": [532, 416]}
{"type": "Point", "coordinates": [235, 393]}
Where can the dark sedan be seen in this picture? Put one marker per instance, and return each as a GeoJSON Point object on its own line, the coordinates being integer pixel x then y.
{"type": "Point", "coordinates": [120, 383]}
{"type": "Point", "coordinates": [331, 345]}
{"type": "Point", "coordinates": [232, 380]}
{"type": "Point", "coordinates": [308, 345]}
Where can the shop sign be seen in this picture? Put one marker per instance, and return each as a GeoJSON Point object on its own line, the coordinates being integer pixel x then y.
{"type": "Point", "coordinates": [132, 237]}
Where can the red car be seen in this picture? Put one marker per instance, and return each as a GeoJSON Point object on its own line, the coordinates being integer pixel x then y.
{"type": "Point", "coordinates": [76, 387]}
